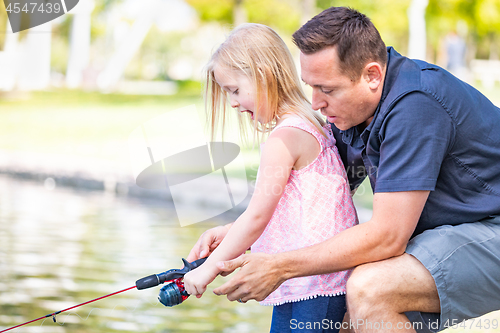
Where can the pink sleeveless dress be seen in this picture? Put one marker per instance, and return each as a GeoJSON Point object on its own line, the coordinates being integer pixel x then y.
{"type": "Point", "coordinates": [316, 205]}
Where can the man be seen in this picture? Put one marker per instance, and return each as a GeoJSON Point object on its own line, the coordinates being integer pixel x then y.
{"type": "Point", "coordinates": [430, 145]}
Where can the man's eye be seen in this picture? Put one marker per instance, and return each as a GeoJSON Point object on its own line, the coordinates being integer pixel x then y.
{"type": "Point", "coordinates": [326, 91]}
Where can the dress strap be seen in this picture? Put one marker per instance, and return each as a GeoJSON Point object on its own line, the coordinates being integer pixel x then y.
{"type": "Point", "coordinates": [309, 128]}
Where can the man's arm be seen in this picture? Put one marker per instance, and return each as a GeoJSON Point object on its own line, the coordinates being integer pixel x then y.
{"type": "Point", "coordinates": [395, 216]}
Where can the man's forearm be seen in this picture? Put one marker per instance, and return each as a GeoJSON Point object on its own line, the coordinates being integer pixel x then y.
{"type": "Point", "coordinates": [395, 216]}
{"type": "Point", "coordinates": [352, 247]}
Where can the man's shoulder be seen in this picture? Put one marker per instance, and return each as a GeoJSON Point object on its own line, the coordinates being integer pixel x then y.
{"type": "Point", "coordinates": [405, 75]}
{"type": "Point", "coordinates": [407, 78]}
{"type": "Point", "coordinates": [402, 77]}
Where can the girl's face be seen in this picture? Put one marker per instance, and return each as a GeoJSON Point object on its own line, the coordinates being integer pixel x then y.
{"type": "Point", "coordinates": [241, 92]}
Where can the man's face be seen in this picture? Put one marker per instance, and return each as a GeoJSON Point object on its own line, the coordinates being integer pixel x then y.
{"type": "Point", "coordinates": [344, 102]}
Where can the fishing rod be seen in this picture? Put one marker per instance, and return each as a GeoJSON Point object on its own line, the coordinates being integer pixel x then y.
{"type": "Point", "coordinates": [171, 294]}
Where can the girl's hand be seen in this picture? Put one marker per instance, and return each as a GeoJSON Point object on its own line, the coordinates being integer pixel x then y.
{"type": "Point", "coordinates": [208, 242]}
{"type": "Point", "coordinates": [196, 281]}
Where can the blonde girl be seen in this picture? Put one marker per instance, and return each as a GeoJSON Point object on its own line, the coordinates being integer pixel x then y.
{"type": "Point", "coordinates": [301, 194]}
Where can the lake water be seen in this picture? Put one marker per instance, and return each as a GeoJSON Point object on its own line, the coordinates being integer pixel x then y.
{"type": "Point", "coordinates": [61, 247]}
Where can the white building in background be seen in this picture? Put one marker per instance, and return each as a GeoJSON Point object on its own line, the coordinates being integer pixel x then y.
{"type": "Point", "coordinates": [25, 64]}
{"type": "Point", "coordinates": [79, 46]}
{"type": "Point", "coordinates": [167, 15]}
{"type": "Point", "coordinates": [417, 40]}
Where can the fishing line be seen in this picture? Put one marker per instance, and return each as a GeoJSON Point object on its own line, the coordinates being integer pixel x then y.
{"type": "Point", "coordinates": [131, 309]}
{"type": "Point", "coordinates": [54, 314]}
{"type": "Point", "coordinates": [170, 295]}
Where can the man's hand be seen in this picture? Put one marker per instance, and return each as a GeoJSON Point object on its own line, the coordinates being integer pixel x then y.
{"type": "Point", "coordinates": [260, 275]}
{"type": "Point", "coordinates": [208, 242]}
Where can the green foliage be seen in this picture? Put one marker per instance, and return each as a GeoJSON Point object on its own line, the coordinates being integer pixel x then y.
{"type": "Point", "coordinates": [3, 25]}
{"type": "Point", "coordinates": [61, 33]}
{"type": "Point", "coordinates": [98, 27]}
{"type": "Point", "coordinates": [281, 14]}
{"type": "Point", "coordinates": [190, 87]}
{"type": "Point", "coordinates": [60, 45]}
{"type": "Point", "coordinates": [444, 15]}
{"type": "Point", "coordinates": [487, 17]}
{"type": "Point", "coordinates": [209, 10]}
{"type": "Point", "coordinates": [389, 17]}
{"type": "Point", "coordinates": [158, 51]}
{"type": "Point", "coordinates": [480, 20]}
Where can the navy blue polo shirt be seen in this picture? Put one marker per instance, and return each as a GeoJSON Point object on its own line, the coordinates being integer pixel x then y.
{"type": "Point", "coordinates": [430, 132]}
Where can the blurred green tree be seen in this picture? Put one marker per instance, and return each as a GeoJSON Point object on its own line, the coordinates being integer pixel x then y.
{"type": "Point", "coordinates": [389, 17]}
{"type": "Point", "coordinates": [3, 25]}
{"type": "Point", "coordinates": [478, 19]}
{"type": "Point", "coordinates": [280, 14]}
{"type": "Point", "coordinates": [286, 15]}
{"type": "Point", "coordinates": [487, 27]}
{"type": "Point", "coordinates": [221, 11]}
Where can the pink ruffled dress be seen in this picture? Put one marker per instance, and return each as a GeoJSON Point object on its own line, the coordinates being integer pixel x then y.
{"type": "Point", "coordinates": [316, 205]}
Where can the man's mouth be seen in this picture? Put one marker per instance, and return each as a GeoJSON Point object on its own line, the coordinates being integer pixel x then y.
{"type": "Point", "coordinates": [329, 118]}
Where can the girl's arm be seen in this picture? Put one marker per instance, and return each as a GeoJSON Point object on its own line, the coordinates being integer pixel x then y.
{"type": "Point", "coordinates": [278, 156]}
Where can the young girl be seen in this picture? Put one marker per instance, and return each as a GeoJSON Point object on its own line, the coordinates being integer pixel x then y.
{"type": "Point", "coordinates": [301, 195]}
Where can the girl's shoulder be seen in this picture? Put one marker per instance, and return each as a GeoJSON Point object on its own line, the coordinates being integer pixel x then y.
{"type": "Point", "coordinates": [307, 126]}
{"type": "Point", "coordinates": [302, 139]}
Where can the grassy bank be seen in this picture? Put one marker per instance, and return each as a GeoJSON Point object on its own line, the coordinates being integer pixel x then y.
{"type": "Point", "coordinates": [82, 123]}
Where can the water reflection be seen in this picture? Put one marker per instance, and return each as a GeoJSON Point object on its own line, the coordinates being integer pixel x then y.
{"type": "Point", "coordinates": [61, 247]}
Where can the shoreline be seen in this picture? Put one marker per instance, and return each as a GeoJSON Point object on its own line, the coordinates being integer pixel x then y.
{"type": "Point", "coordinates": [73, 171]}
{"type": "Point", "coordinates": [52, 170]}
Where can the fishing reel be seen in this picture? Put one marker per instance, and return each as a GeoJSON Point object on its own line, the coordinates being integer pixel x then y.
{"type": "Point", "coordinates": [173, 293]}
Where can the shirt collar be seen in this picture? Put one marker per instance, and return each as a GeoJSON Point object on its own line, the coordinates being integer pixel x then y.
{"type": "Point", "coordinates": [394, 62]}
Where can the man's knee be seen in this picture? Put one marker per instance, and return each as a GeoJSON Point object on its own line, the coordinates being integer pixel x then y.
{"type": "Point", "coordinates": [400, 284]}
{"type": "Point", "coordinates": [365, 286]}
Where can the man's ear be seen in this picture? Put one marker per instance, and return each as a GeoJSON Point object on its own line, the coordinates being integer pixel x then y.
{"type": "Point", "coordinates": [373, 73]}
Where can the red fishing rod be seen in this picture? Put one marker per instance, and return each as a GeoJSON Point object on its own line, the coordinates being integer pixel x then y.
{"type": "Point", "coordinates": [171, 294]}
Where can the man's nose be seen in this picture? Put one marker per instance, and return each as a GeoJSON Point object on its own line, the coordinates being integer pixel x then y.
{"type": "Point", "coordinates": [318, 101]}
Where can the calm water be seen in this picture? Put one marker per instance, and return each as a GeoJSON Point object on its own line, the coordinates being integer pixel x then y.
{"type": "Point", "coordinates": [61, 247]}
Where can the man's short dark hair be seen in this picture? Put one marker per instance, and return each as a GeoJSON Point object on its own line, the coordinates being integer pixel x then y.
{"type": "Point", "coordinates": [353, 34]}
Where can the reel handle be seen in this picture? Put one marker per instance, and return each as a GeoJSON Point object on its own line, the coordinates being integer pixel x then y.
{"type": "Point", "coordinates": [156, 279]}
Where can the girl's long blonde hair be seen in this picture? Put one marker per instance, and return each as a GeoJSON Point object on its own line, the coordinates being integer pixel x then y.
{"type": "Point", "coordinates": [259, 53]}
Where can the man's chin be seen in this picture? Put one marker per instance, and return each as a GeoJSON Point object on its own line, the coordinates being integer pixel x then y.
{"type": "Point", "coordinates": [340, 126]}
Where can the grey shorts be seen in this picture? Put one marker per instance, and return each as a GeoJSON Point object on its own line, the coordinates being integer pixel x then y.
{"type": "Point", "coordinates": [464, 261]}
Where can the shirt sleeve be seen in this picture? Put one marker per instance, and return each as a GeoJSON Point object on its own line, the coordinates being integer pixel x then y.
{"type": "Point", "coordinates": [415, 138]}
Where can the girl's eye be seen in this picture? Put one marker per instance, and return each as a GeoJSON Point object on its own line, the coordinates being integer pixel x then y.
{"type": "Point", "coordinates": [235, 92]}
{"type": "Point", "coordinates": [326, 91]}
